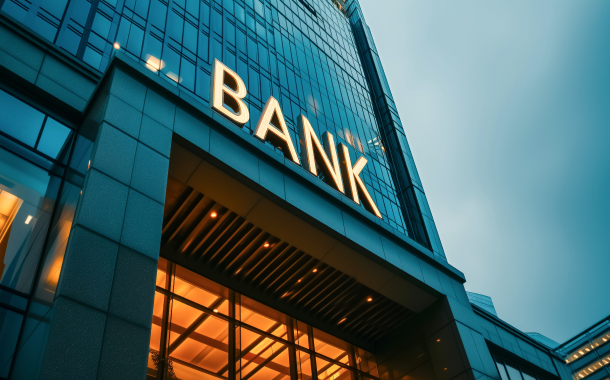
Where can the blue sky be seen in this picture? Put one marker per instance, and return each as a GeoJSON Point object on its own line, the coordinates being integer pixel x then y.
{"type": "Point", "coordinates": [506, 105]}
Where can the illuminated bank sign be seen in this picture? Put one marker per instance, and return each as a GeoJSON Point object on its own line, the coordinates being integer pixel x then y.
{"type": "Point", "coordinates": [226, 93]}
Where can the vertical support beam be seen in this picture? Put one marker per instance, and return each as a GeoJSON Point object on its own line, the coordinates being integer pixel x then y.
{"type": "Point", "coordinates": [164, 342]}
{"type": "Point", "coordinates": [232, 346]}
{"type": "Point", "coordinates": [312, 347]}
{"type": "Point", "coordinates": [103, 306]}
{"type": "Point", "coordinates": [292, 358]}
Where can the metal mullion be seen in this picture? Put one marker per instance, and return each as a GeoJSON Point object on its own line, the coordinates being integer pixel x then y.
{"type": "Point", "coordinates": [12, 308]}
{"type": "Point", "coordinates": [44, 123]}
{"type": "Point", "coordinates": [163, 349]}
{"type": "Point", "coordinates": [43, 256]}
{"type": "Point", "coordinates": [232, 345]}
{"type": "Point", "coordinates": [16, 292]}
{"type": "Point", "coordinates": [33, 150]}
{"type": "Point", "coordinates": [292, 358]}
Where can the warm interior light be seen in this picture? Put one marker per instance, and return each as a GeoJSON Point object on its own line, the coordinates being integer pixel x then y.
{"type": "Point", "coordinates": [89, 165]}
{"type": "Point", "coordinates": [438, 340]}
{"type": "Point", "coordinates": [369, 299]}
{"type": "Point", "coordinates": [117, 45]}
{"type": "Point", "coordinates": [343, 320]}
{"type": "Point", "coordinates": [28, 219]}
{"type": "Point", "coordinates": [299, 280]}
{"type": "Point", "coordinates": [445, 369]}
{"type": "Point", "coordinates": [315, 270]}
{"type": "Point", "coordinates": [215, 310]}
{"type": "Point", "coordinates": [266, 245]}
{"type": "Point", "coordinates": [154, 64]}
{"type": "Point", "coordinates": [213, 214]}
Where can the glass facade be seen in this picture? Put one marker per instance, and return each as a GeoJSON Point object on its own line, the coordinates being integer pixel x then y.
{"type": "Point", "coordinates": [301, 52]}
{"type": "Point", "coordinates": [203, 330]}
{"type": "Point", "coordinates": [589, 353]}
{"type": "Point", "coordinates": [38, 197]}
{"type": "Point", "coordinates": [511, 371]}
{"type": "Point", "coordinates": [34, 221]}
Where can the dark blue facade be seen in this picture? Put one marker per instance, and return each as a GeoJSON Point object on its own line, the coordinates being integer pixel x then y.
{"type": "Point", "coordinates": [305, 55]}
{"type": "Point", "coordinates": [114, 166]}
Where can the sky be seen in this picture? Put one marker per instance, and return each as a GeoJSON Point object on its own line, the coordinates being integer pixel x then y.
{"type": "Point", "coordinates": [506, 106]}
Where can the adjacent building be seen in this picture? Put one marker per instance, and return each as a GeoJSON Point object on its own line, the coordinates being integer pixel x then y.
{"type": "Point", "coordinates": [207, 189]}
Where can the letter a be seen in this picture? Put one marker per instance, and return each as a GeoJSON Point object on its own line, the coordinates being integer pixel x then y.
{"type": "Point", "coordinates": [227, 89]}
{"type": "Point", "coordinates": [272, 127]}
{"type": "Point", "coordinates": [312, 153]}
{"type": "Point", "coordinates": [353, 184]}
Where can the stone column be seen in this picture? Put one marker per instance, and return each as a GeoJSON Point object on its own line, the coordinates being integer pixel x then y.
{"type": "Point", "coordinates": [100, 325]}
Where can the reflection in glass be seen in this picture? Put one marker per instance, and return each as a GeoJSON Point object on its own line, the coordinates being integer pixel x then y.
{"type": "Point", "coordinates": [26, 202]}
{"type": "Point", "coordinates": [10, 323]}
{"type": "Point", "coordinates": [54, 140]}
{"type": "Point", "coordinates": [19, 120]}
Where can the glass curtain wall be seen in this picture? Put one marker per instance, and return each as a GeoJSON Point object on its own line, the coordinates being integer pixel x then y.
{"type": "Point", "coordinates": [38, 196]}
{"type": "Point", "coordinates": [301, 52]}
{"type": "Point", "coordinates": [589, 353]}
{"type": "Point", "coordinates": [202, 330]}
{"type": "Point", "coordinates": [511, 371]}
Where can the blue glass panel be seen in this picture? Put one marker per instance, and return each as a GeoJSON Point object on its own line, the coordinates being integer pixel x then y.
{"type": "Point", "coordinates": [10, 324]}
{"type": "Point", "coordinates": [19, 120]}
{"type": "Point", "coordinates": [54, 139]}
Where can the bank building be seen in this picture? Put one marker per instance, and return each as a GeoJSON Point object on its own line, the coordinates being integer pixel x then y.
{"type": "Point", "coordinates": [223, 189]}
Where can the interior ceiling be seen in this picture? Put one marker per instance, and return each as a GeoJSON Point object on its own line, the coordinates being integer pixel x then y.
{"type": "Point", "coordinates": [231, 245]}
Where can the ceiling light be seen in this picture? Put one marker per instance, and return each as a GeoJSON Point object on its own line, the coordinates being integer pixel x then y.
{"type": "Point", "coordinates": [369, 299]}
{"type": "Point", "coordinates": [315, 270]}
{"type": "Point", "coordinates": [213, 214]}
{"type": "Point", "coordinates": [445, 369]}
{"type": "Point", "coordinates": [266, 245]}
{"type": "Point", "coordinates": [343, 320]}
{"type": "Point", "coordinates": [299, 280]}
{"type": "Point", "coordinates": [438, 340]}
{"type": "Point", "coordinates": [28, 219]}
{"type": "Point", "coordinates": [117, 45]}
{"type": "Point", "coordinates": [215, 310]}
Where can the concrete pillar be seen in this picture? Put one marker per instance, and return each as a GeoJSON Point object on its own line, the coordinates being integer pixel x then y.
{"type": "Point", "coordinates": [100, 325]}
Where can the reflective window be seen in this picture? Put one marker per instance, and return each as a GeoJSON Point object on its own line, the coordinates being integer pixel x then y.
{"type": "Point", "coordinates": [511, 371]}
{"type": "Point", "coordinates": [202, 330]}
{"type": "Point", "coordinates": [302, 53]}
{"type": "Point", "coordinates": [28, 126]}
{"type": "Point", "coordinates": [584, 349]}
{"type": "Point", "coordinates": [27, 198]}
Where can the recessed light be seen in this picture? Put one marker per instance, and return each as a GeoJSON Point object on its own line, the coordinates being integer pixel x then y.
{"type": "Point", "coordinates": [215, 310]}
{"type": "Point", "coordinates": [315, 270]}
{"type": "Point", "coordinates": [299, 280]}
{"type": "Point", "coordinates": [369, 299]}
{"type": "Point", "coordinates": [117, 45]}
{"type": "Point", "coordinates": [213, 214]}
{"type": "Point", "coordinates": [28, 219]}
{"type": "Point", "coordinates": [266, 245]}
{"type": "Point", "coordinates": [438, 340]}
{"type": "Point", "coordinates": [445, 369]}
{"type": "Point", "coordinates": [343, 320]}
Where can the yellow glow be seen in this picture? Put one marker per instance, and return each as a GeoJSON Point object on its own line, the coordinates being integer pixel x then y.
{"type": "Point", "coordinates": [174, 77]}
{"type": "Point", "coordinates": [213, 214]}
{"type": "Point", "coordinates": [272, 127]}
{"type": "Point", "coordinates": [154, 64]}
{"type": "Point", "coordinates": [266, 245]}
{"type": "Point", "coordinates": [228, 89]}
{"type": "Point", "coordinates": [369, 299]}
{"type": "Point", "coordinates": [28, 219]}
{"type": "Point", "coordinates": [117, 45]}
